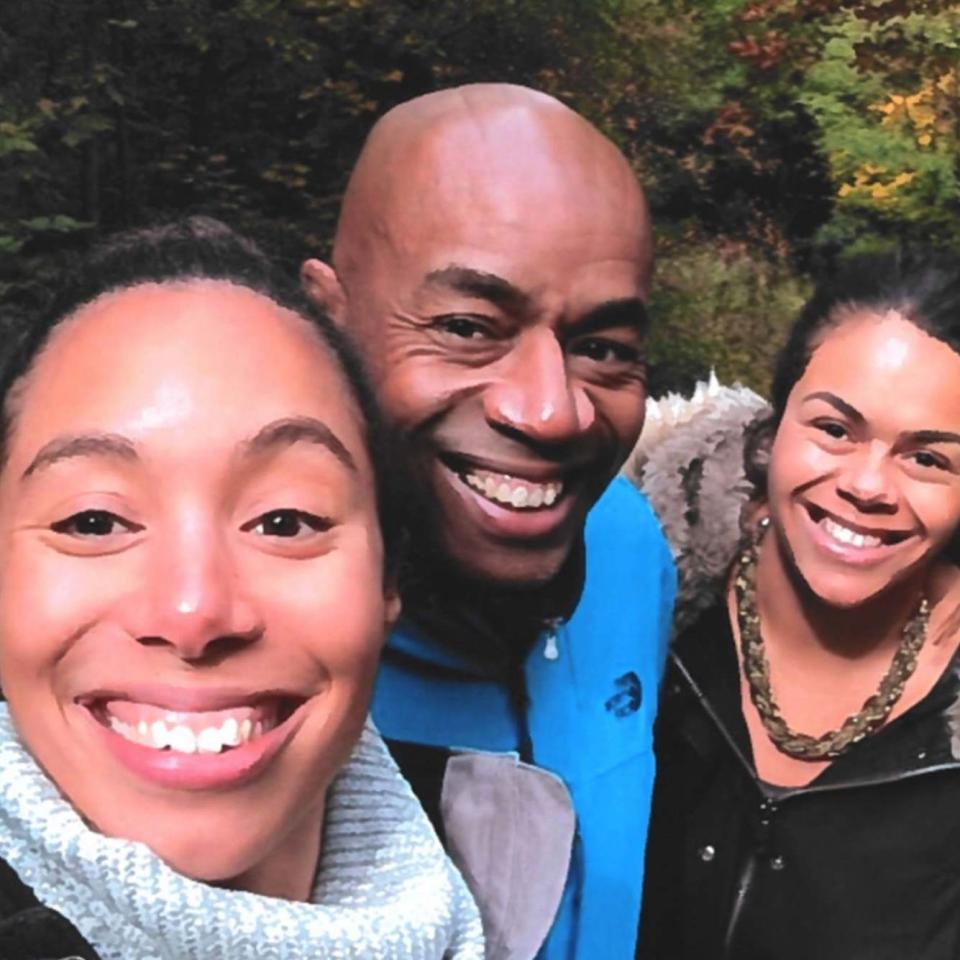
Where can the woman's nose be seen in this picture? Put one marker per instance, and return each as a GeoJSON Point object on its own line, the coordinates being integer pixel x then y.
{"type": "Point", "coordinates": [866, 481]}
{"type": "Point", "coordinates": [196, 601]}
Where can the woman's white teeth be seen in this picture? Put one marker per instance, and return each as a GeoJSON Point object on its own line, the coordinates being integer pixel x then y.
{"type": "Point", "coordinates": [849, 537]}
{"type": "Point", "coordinates": [230, 733]}
{"type": "Point", "coordinates": [519, 494]}
{"type": "Point", "coordinates": [164, 735]}
{"type": "Point", "coordinates": [182, 739]}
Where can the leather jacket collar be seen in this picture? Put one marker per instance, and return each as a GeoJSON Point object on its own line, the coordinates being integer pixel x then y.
{"type": "Point", "coordinates": [924, 739]}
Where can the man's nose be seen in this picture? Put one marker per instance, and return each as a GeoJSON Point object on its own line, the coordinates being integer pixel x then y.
{"type": "Point", "coordinates": [865, 480]}
{"type": "Point", "coordinates": [533, 394]}
{"type": "Point", "coordinates": [195, 601]}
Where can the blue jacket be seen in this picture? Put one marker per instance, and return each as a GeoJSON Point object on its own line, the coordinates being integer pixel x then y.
{"type": "Point", "coordinates": [592, 690]}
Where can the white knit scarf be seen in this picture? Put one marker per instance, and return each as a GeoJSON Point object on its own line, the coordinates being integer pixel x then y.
{"type": "Point", "coordinates": [384, 889]}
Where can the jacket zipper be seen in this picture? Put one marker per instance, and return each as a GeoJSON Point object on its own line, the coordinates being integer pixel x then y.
{"type": "Point", "coordinates": [745, 880]}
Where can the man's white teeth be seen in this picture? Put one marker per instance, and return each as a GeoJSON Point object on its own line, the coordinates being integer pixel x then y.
{"type": "Point", "coordinates": [161, 735]}
{"type": "Point", "coordinates": [519, 494]}
{"type": "Point", "coordinates": [849, 537]}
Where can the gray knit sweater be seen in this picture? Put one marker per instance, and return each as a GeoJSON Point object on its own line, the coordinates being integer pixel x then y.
{"type": "Point", "coordinates": [384, 888]}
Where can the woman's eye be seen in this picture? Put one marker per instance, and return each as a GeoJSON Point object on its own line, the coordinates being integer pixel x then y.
{"type": "Point", "coordinates": [94, 523]}
{"type": "Point", "coordinates": [924, 458]}
{"type": "Point", "coordinates": [831, 428]}
{"type": "Point", "coordinates": [601, 350]}
{"type": "Point", "coordinates": [287, 523]}
{"type": "Point", "coordinates": [465, 328]}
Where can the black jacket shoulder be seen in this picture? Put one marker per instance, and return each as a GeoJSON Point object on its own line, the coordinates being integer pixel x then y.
{"type": "Point", "coordinates": [31, 931]}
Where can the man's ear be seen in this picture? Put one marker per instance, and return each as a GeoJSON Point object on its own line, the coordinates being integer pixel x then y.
{"type": "Point", "coordinates": [393, 604]}
{"type": "Point", "coordinates": [321, 285]}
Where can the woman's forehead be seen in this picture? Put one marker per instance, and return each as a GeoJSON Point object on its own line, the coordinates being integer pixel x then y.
{"type": "Point", "coordinates": [205, 356]}
{"type": "Point", "coordinates": [882, 363]}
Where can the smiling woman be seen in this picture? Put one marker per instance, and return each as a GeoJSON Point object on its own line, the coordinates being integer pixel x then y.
{"type": "Point", "coordinates": [809, 760]}
{"type": "Point", "coordinates": [196, 556]}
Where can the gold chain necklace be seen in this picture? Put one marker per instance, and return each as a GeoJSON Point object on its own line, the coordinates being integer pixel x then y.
{"type": "Point", "coordinates": [868, 718]}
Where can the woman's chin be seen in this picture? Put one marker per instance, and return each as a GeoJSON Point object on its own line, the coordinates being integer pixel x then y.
{"type": "Point", "coordinates": [849, 591]}
{"type": "Point", "coordinates": [204, 859]}
{"type": "Point", "coordinates": [208, 853]}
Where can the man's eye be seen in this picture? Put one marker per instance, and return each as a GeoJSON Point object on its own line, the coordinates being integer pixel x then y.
{"type": "Point", "coordinates": [94, 523]}
{"type": "Point", "coordinates": [466, 328]}
{"type": "Point", "coordinates": [287, 523]}
{"type": "Point", "coordinates": [601, 350]}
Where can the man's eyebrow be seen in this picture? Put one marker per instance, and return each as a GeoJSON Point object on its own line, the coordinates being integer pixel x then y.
{"type": "Point", "coordinates": [81, 445]}
{"type": "Point", "coordinates": [625, 312]}
{"type": "Point", "coordinates": [291, 430]}
{"type": "Point", "coordinates": [479, 284]}
{"type": "Point", "coordinates": [841, 405]}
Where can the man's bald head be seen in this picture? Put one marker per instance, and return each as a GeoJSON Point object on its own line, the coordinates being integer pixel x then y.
{"type": "Point", "coordinates": [486, 145]}
{"type": "Point", "coordinates": [492, 261]}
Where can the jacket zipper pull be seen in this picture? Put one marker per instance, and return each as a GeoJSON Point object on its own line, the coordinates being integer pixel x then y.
{"type": "Point", "coordinates": [551, 650]}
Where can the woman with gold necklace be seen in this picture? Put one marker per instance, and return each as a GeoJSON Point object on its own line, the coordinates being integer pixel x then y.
{"type": "Point", "coordinates": [808, 796]}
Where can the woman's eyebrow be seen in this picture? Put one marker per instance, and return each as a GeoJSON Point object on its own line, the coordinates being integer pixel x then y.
{"type": "Point", "coordinates": [841, 405]}
{"type": "Point", "coordinates": [81, 445]}
{"type": "Point", "coordinates": [291, 430]}
{"type": "Point", "coordinates": [932, 436]}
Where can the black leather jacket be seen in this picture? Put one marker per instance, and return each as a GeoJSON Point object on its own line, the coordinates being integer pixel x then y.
{"type": "Point", "coordinates": [862, 864]}
{"type": "Point", "coordinates": [31, 931]}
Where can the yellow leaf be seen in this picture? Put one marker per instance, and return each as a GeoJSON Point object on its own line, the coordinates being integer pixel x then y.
{"type": "Point", "coordinates": [922, 116]}
{"type": "Point", "coordinates": [924, 140]}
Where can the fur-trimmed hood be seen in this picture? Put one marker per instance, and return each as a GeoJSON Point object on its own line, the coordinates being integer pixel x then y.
{"type": "Point", "coordinates": [689, 463]}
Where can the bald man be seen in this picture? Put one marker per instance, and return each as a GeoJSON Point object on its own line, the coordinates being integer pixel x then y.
{"type": "Point", "coordinates": [492, 262]}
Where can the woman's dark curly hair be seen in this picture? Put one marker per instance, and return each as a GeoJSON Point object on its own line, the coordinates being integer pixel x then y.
{"type": "Point", "coordinates": [923, 288]}
{"type": "Point", "coordinates": [200, 248]}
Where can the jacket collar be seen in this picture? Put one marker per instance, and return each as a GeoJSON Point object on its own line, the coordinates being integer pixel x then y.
{"type": "Point", "coordinates": [923, 739]}
{"type": "Point", "coordinates": [474, 628]}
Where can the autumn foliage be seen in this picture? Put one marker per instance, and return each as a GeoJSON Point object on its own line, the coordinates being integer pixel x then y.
{"type": "Point", "coordinates": [774, 136]}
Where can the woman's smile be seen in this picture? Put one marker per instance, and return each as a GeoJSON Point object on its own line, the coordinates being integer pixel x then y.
{"type": "Point", "coordinates": [851, 541]}
{"type": "Point", "coordinates": [206, 568]}
{"type": "Point", "coordinates": [196, 749]}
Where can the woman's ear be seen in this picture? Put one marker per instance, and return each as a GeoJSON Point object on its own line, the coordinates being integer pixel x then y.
{"type": "Point", "coordinates": [321, 285]}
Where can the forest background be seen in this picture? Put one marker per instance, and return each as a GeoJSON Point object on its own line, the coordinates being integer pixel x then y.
{"type": "Point", "coordinates": [773, 136]}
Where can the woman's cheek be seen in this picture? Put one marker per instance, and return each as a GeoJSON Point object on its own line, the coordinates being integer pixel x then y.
{"type": "Point", "coordinates": [66, 595]}
{"type": "Point", "coordinates": [937, 507]}
{"type": "Point", "coordinates": [333, 603]}
{"type": "Point", "coordinates": [797, 462]}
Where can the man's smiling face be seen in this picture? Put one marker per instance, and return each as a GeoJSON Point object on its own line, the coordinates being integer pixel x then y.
{"type": "Point", "coordinates": [500, 306]}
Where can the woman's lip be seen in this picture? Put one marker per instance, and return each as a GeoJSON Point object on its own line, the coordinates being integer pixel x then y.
{"type": "Point", "coordinates": [817, 513]}
{"type": "Point", "coordinates": [186, 699]}
{"type": "Point", "coordinates": [198, 771]}
{"type": "Point", "coordinates": [847, 553]}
